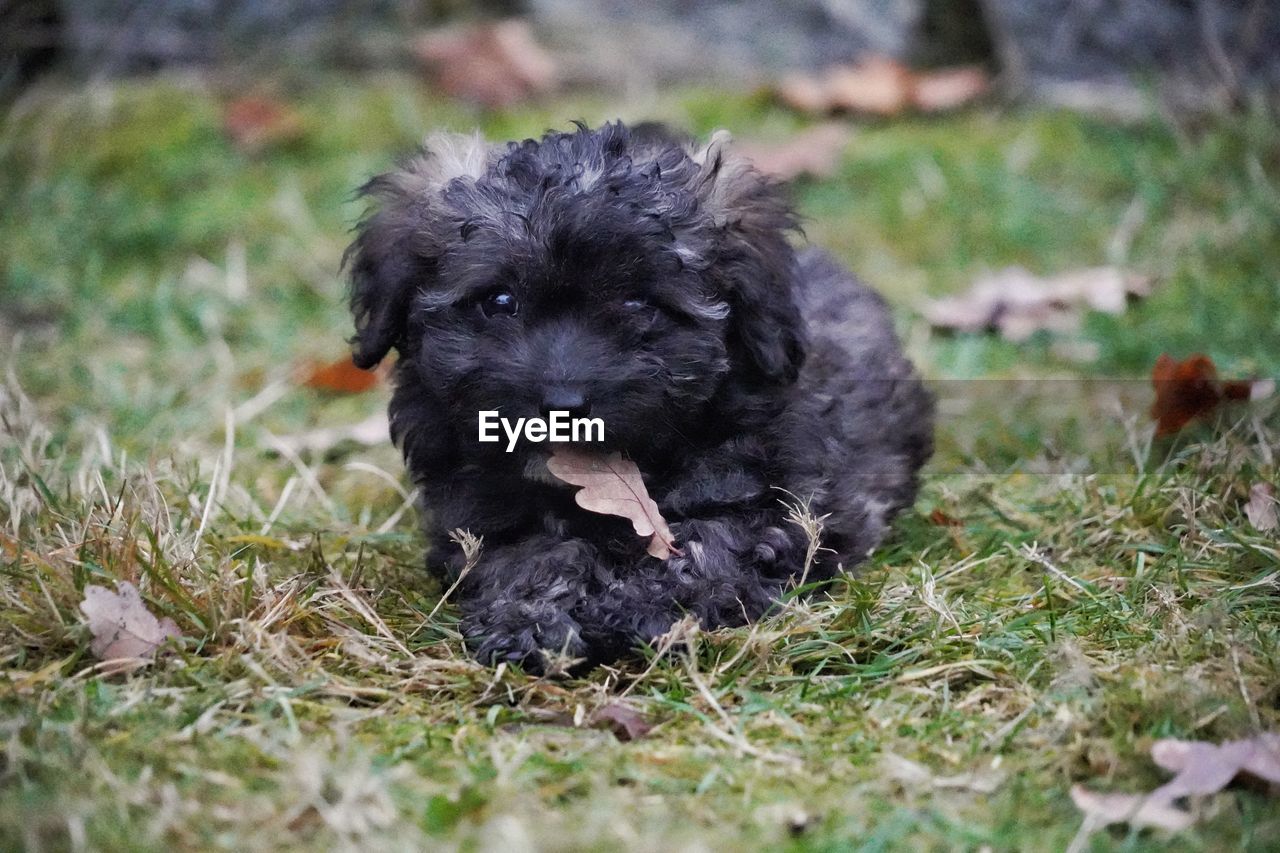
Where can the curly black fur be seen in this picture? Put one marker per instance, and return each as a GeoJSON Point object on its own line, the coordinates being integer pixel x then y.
{"type": "Point", "coordinates": [655, 285]}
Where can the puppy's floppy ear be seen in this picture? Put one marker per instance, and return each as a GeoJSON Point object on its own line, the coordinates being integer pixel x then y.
{"type": "Point", "coordinates": [752, 215]}
{"type": "Point", "coordinates": [400, 240]}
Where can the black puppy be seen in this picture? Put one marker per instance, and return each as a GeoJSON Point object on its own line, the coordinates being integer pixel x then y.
{"type": "Point", "coordinates": [627, 275]}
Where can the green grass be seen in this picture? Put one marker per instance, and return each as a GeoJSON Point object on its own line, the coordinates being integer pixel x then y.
{"type": "Point", "coordinates": [153, 279]}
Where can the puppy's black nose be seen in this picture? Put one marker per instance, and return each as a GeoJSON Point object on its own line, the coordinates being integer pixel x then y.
{"type": "Point", "coordinates": [566, 398]}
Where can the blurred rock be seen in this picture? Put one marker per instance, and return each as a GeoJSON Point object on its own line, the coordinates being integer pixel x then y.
{"type": "Point", "coordinates": [129, 36]}
{"type": "Point", "coordinates": [1105, 56]}
{"type": "Point", "coordinates": [618, 42]}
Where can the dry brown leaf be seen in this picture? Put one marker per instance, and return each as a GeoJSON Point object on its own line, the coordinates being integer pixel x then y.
{"type": "Point", "coordinates": [948, 88]}
{"type": "Point", "coordinates": [613, 486]}
{"type": "Point", "coordinates": [1017, 304]}
{"type": "Point", "coordinates": [940, 518]}
{"type": "Point", "coordinates": [342, 376]}
{"type": "Point", "coordinates": [497, 64]}
{"type": "Point", "coordinates": [1133, 809]}
{"type": "Point", "coordinates": [1185, 390]}
{"type": "Point", "coordinates": [912, 774]}
{"type": "Point", "coordinates": [1206, 768]}
{"type": "Point", "coordinates": [1201, 769]}
{"type": "Point", "coordinates": [122, 627]}
{"type": "Point", "coordinates": [877, 86]}
{"type": "Point", "coordinates": [815, 151]}
{"type": "Point", "coordinates": [1261, 508]}
{"type": "Point", "coordinates": [882, 86]}
{"type": "Point", "coordinates": [1189, 388]}
{"type": "Point", "coordinates": [255, 122]}
{"type": "Point", "coordinates": [369, 432]}
{"type": "Point", "coordinates": [803, 93]}
{"type": "Point", "coordinates": [623, 720]}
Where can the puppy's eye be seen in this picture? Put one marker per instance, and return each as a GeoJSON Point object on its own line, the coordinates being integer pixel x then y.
{"type": "Point", "coordinates": [636, 304]}
{"type": "Point", "coordinates": [500, 303]}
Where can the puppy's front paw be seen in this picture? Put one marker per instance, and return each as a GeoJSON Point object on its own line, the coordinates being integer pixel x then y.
{"type": "Point", "coordinates": [542, 643]}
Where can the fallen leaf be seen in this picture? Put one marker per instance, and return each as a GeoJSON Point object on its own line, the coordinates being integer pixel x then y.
{"type": "Point", "coordinates": [1261, 508]}
{"type": "Point", "coordinates": [939, 518]}
{"type": "Point", "coordinates": [1206, 768]}
{"type": "Point", "coordinates": [876, 86]}
{"type": "Point", "coordinates": [496, 65]}
{"type": "Point", "coordinates": [1188, 389]}
{"type": "Point", "coordinates": [613, 486]}
{"type": "Point", "coordinates": [367, 433]}
{"type": "Point", "coordinates": [1134, 809]}
{"type": "Point", "coordinates": [1185, 390]}
{"type": "Point", "coordinates": [342, 376]}
{"type": "Point", "coordinates": [948, 88]}
{"type": "Point", "coordinates": [912, 774]}
{"type": "Point", "coordinates": [623, 720]}
{"type": "Point", "coordinates": [1017, 304]}
{"type": "Point", "coordinates": [803, 93]}
{"type": "Point", "coordinates": [121, 625]}
{"type": "Point", "coordinates": [255, 122]}
{"type": "Point", "coordinates": [1201, 769]}
{"type": "Point", "coordinates": [815, 152]}
{"type": "Point", "coordinates": [882, 86]}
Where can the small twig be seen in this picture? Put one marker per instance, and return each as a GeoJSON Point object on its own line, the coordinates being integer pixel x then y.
{"type": "Point", "coordinates": [471, 546]}
{"type": "Point", "coordinates": [1032, 552]}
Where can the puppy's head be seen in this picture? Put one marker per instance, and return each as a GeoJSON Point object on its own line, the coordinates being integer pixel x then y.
{"type": "Point", "coordinates": [606, 273]}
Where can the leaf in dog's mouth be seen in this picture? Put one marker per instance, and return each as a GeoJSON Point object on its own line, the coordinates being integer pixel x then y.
{"type": "Point", "coordinates": [611, 485]}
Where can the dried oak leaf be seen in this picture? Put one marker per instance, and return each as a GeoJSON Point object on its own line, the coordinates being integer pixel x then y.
{"type": "Point", "coordinates": [369, 432]}
{"type": "Point", "coordinates": [815, 151]}
{"type": "Point", "coordinates": [623, 720]}
{"type": "Point", "coordinates": [878, 86]}
{"type": "Point", "coordinates": [1206, 768]}
{"type": "Point", "coordinates": [1261, 508]}
{"type": "Point", "coordinates": [255, 122]}
{"type": "Point", "coordinates": [1017, 304]}
{"type": "Point", "coordinates": [1134, 809]}
{"type": "Point", "coordinates": [882, 86]}
{"type": "Point", "coordinates": [341, 376]}
{"type": "Point", "coordinates": [1190, 388]}
{"type": "Point", "coordinates": [1201, 769]}
{"type": "Point", "coordinates": [948, 88]}
{"type": "Point", "coordinates": [1185, 390]}
{"type": "Point", "coordinates": [121, 625]}
{"type": "Point", "coordinates": [940, 518]}
{"type": "Point", "coordinates": [497, 64]}
{"type": "Point", "coordinates": [612, 485]}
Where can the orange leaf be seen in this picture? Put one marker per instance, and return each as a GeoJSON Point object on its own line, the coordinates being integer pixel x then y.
{"type": "Point", "coordinates": [255, 122]}
{"type": "Point", "coordinates": [341, 377]}
{"type": "Point", "coordinates": [1185, 390]}
{"type": "Point", "coordinates": [611, 485]}
{"type": "Point", "coordinates": [942, 519]}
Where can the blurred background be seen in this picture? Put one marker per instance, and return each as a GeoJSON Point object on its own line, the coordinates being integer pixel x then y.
{"type": "Point", "coordinates": [1043, 188]}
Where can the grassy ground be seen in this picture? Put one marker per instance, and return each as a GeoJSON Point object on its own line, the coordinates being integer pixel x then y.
{"type": "Point", "coordinates": [1099, 590]}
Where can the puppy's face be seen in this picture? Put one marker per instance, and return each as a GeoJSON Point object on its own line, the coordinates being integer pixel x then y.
{"type": "Point", "coordinates": [578, 307]}
{"type": "Point", "coordinates": [586, 273]}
